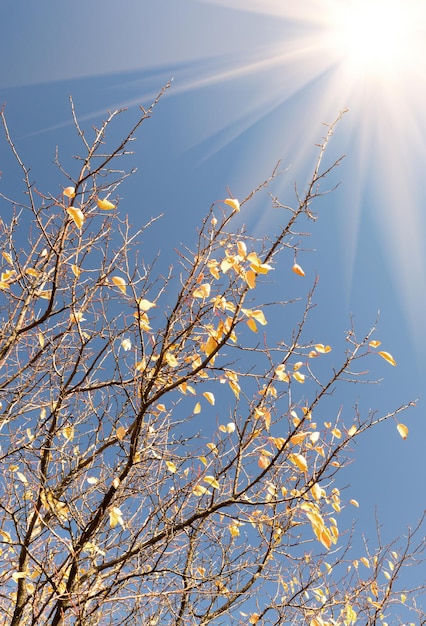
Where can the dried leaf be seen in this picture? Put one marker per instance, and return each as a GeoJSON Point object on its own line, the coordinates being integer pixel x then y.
{"type": "Point", "coordinates": [120, 433]}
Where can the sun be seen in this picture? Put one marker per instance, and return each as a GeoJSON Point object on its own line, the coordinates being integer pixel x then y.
{"type": "Point", "coordinates": [377, 38]}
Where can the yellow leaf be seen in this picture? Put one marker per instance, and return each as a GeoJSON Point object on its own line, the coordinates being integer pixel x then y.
{"type": "Point", "coordinates": [297, 366]}
{"type": "Point", "coordinates": [374, 344]}
{"type": "Point", "coordinates": [76, 270]}
{"type": "Point", "coordinates": [233, 203]}
{"type": "Point", "coordinates": [145, 305]}
{"type": "Point", "coordinates": [199, 491]}
{"type": "Point", "coordinates": [365, 561]}
{"type": "Point", "coordinates": [171, 467]}
{"type": "Point", "coordinates": [115, 517]}
{"type": "Point", "coordinates": [337, 433]}
{"type": "Point", "coordinates": [298, 270]}
{"type": "Point", "coordinates": [281, 374]}
{"type": "Point", "coordinates": [322, 349]}
{"type": "Point", "coordinates": [76, 215]}
{"type": "Point", "coordinates": [8, 258]}
{"type": "Point", "coordinates": [121, 433]}
{"type": "Point", "coordinates": [68, 432]}
{"type": "Point", "coordinates": [352, 430]}
{"type": "Point", "coordinates": [387, 357]}
{"type": "Point", "coordinates": [252, 325]}
{"type": "Point", "coordinates": [242, 249]}
{"type": "Point", "coordinates": [403, 430]}
{"type": "Point", "coordinates": [171, 360]}
{"type": "Point", "coordinates": [258, 315]}
{"type": "Point", "coordinates": [316, 491]}
{"type": "Point", "coordinates": [69, 192]}
{"type": "Point", "coordinates": [299, 461]}
{"type": "Point", "coordinates": [120, 283]}
{"type": "Point", "coordinates": [197, 408]}
{"type": "Point", "coordinates": [211, 480]}
{"type": "Point", "coordinates": [263, 461]}
{"type": "Point", "coordinates": [203, 291]}
{"type": "Point", "coordinates": [41, 339]}
{"type": "Point", "coordinates": [22, 477]}
{"type": "Point", "coordinates": [354, 503]}
{"type": "Point", "coordinates": [250, 278]}
{"type": "Point", "coordinates": [298, 438]}
{"type": "Point", "coordinates": [209, 397]}
{"type": "Point", "coordinates": [105, 205]}
{"type": "Point", "coordinates": [300, 378]}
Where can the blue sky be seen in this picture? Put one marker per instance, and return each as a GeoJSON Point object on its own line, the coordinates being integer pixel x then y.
{"type": "Point", "coordinates": [251, 87]}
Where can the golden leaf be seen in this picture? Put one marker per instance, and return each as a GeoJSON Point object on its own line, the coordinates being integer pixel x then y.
{"type": "Point", "coordinates": [403, 430]}
{"type": "Point", "coordinates": [263, 461]}
{"type": "Point", "coordinates": [76, 270]}
{"type": "Point", "coordinates": [199, 491]}
{"type": "Point", "coordinates": [8, 258]}
{"type": "Point", "coordinates": [120, 283]}
{"type": "Point", "coordinates": [68, 432]}
{"type": "Point", "coordinates": [211, 480]}
{"type": "Point", "coordinates": [197, 408]}
{"type": "Point", "coordinates": [300, 378]}
{"type": "Point", "coordinates": [203, 291]}
{"type": "Point", "coordinates": [242, 249]}
{"type": "Point", "coordinates": [76, 215]}
{"type": "Point", "coordinates": [105, 205]}
{"type": "Point", "coordinates": [252, 325]}
{"type": "Point", "coordinates": [209, 397]}
{"type": "Point", "coordinates": [115, 517]}
{"type": "Point", "coordinates": [298, 270]}
{"type": "Point", "coordinates": [387, 357]}
{"type": "Point", "coordinates": [258, 315]}
{"type": "Point", "coordinates": [69, 192]}
{"type": "Point", "coordinates": [171, 467]}
{"type": "Point", "coordinates": [299, 461]}
{"type": "Point", "coordinates": [250, 278]}
{"type": "Point", "coordinates": [354, 503]}
{"type": "Point", "coordinates": [121, 433]}
{"type": "Point", "coordinates": [233, 203]}
{"type": "Point", "coordinates": [374, 344]}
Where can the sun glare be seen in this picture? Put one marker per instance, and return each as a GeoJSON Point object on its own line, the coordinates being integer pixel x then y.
{"type": "Point", "coordinates": [377, 38]}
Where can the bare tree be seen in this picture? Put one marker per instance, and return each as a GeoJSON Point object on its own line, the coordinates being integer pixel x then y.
{"type": "Point", "coordinates": [121, 503]}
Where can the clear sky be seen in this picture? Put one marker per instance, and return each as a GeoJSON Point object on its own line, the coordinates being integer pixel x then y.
{"type": "Point", "coordinates": [253, 82]}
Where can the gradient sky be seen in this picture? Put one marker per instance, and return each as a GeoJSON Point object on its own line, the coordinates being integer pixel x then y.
{"type": "Point", "coordinates": [253, 81]}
